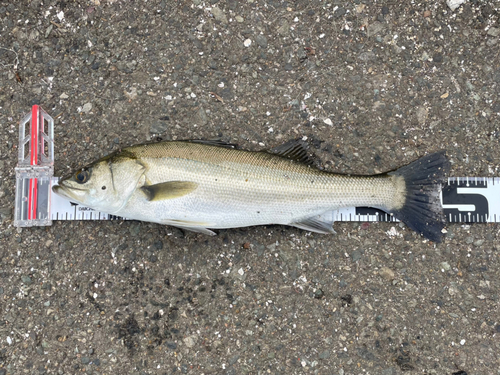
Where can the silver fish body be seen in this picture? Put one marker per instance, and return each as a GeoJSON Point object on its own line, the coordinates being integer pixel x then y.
{"type": "Point", "coordinates": [198, 186]}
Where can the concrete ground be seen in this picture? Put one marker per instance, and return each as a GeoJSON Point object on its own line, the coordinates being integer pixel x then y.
{"type": "Point", "coordinates": [372, 85]}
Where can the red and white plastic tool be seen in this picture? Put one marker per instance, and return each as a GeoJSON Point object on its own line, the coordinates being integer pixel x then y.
{"type": "Point", "coordinates": [35, 169]}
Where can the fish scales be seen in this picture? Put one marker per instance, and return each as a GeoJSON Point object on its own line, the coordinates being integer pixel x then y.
{"type": "Point", "coordinates": [263, 185]}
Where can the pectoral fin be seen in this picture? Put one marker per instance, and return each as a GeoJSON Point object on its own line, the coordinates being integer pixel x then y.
{"type": "Point", "coordinates": [168, 190]}
{"type": "Point", "coordinates": [320, 224]}
{"type": "Point", "coordinates": [193, 226]}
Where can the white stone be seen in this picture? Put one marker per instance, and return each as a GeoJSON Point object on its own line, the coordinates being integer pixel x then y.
{"type": "Point", "coordinates": [87, 107]}
{"type": "Point", "coordinates": [445, 266]}
{"type": "Point", "coordinates": [190, 341]}
{"type": "Point", "coordinates": [132, 94]}
{"type": "Point", "coordinates": [454, 4]}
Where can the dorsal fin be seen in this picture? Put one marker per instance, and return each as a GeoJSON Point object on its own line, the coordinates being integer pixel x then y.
{"type": "Point", "coordinates": [295, 149]}
{"type": "Point", "coordinates": [213, 142]}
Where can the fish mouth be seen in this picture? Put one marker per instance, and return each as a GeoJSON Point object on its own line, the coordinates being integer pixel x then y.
{"type": "Point", "coordinates": [67, 192]}
{"type": "Point", "coordinates": [59, 190]}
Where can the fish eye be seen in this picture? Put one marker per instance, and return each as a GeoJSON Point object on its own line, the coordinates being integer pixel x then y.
{"type": "Point", "coordinates": [82, 176]}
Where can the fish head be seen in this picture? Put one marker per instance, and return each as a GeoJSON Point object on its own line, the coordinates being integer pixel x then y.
{"type": "Point", "coordinates": [105, 185]}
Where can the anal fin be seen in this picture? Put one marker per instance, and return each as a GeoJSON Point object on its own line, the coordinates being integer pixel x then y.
{"type": "Point", "coordinates": [319, 224]}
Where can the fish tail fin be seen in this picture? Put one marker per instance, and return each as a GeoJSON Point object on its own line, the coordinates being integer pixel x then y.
{"type": "Point", "coordinates": [421, 208]}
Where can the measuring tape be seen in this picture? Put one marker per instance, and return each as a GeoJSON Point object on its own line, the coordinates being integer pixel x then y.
{"type": "Point", "coordinates": [464, 199]}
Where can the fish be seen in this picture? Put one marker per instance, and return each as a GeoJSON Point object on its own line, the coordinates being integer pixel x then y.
{"type": "Point", "coordinates": [203, 185]}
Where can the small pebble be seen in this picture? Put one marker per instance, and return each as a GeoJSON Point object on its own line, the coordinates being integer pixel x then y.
{"type": "Point", "coordinates": [438, 58]}
{"type": "Point", "coordinates": [375, 28]}
{"type": "Point", "coordinates": [87, 107]}
{"type": "Point", "coordinates": [454, 4]}
{"type": "Point", "coordinates": [171, 345]}
{"type": "Point", "coordinates": [360, 8]}
{"type": "Point", "coordinates": [319, 294]}
{"type": "Point", "coordinates": [387, 273]}
{"type": "Point", "coordinates": [261, 40]}
{"type": "Point", "coordinates": [85, 360]}
{"type": "Point", "coordinates": [325, 354]}
{"type": "Point", "coordinates": [494, 31]}
{"type": "Point", "coordinates": [356, 255]}
{"type": "Point", "coordinates": [134, 229]}
{"type": "Point", "coordinates": [132, 94]}
{"type": "Point", "coordinates": [219, 15]}
{"type": "Point", "coordinates": [190, 341]}
{"type": "Point", "coordinates": [284, 29]}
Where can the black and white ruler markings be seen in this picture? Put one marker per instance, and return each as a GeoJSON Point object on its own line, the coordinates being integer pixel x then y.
{"type": "Point", "coordinates": [465, 200]}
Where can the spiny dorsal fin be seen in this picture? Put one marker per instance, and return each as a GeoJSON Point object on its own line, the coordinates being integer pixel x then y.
{"type": "Point", "coordinates": [295, 149]}
{"type": "Point", "coordinates": [168, 190]}
{"type": "Point", "coordinates": [213, 142]}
